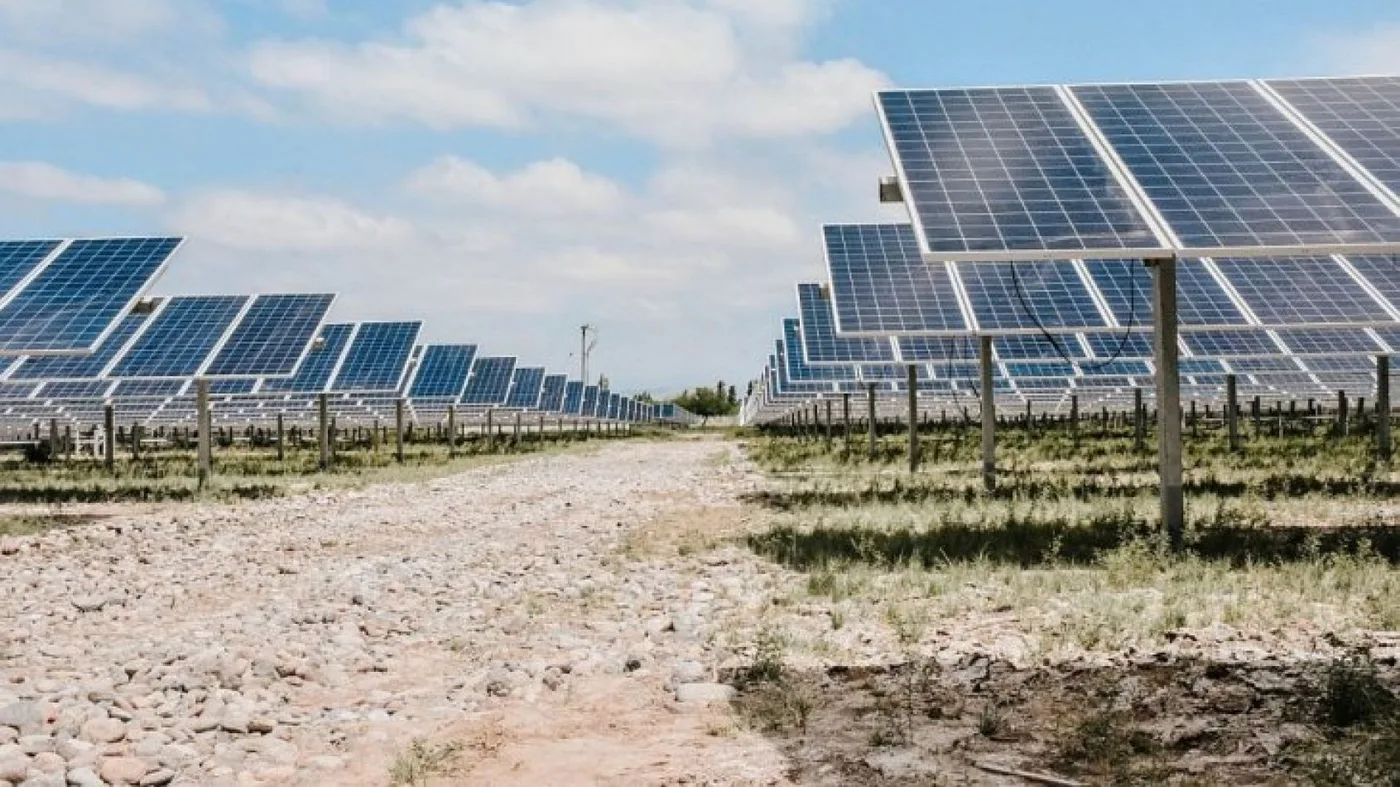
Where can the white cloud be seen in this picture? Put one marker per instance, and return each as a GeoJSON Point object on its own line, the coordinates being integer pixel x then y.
{"type": "Point", "coordinates": [1372, 51]}
{"type": "Point", "coordinates": [677, 72]}
{"type": "Point", "coordinates": [48, 80]}
{"type": "Point", "coordinates": [40, 181]}
{"type": "Point", "coordinates": [554, 187]}
{"type": "Point", "coordinates": [56, 21]}
{"type": "Point", "coordinates": [269, 222]}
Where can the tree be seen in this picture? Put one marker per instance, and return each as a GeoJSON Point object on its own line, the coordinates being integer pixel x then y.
{"type": "Point", "coordinates": [733, 396]}
{"type": "Point", "coordinates": [707, 402]}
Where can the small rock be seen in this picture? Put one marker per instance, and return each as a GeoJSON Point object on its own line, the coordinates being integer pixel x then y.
{"type": "Point", "coordinates": [687, 672]}
{"type": "Point", "coordinates": [22, 715]}
{"type": "Point", "coordinates": [10, 546]}
{"type": "Point", "coordinates": [84, 777]}
{"type": "Point", "coordinates": [46, 780]}
{"type": "Point", "coordinates": [704, 692]}
{"type": "Point", "coordinates": [13, 768]}
{"type": "Point", "coordinates": [48, 762]}
{"type": "Point", "coordinates": [261, 724]}
{"type": "Point", "coordinates": [72, 749]}
{"type": "Point", "coordinates": [157, 778]}
{"type": "Point", "coordinates": [104, 731]}
{"type": "Point", "coordinates": [325, 762]}
{"type": "Point", "coordinates": [123, 770]}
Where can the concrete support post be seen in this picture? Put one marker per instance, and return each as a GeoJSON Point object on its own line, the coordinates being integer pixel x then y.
{"type": "Point", "coordinates": [1074, 416]}
{"type": "Point", "coordinates": [913, 378]}
{"type": "Point", "coordinates": [1341, 413]}
{"type": "Point", "coordinates": [398, 430]}
{"type": "Point", "coordinates": [205, 423]}
{"type": "Point", "coordinates": [829, 426]}
{"type": "Point", "coordinates": [109, 437]}
{"type": "Point", "coordinates": [846, 418]}
{"type": "Point", "coordinates": [1164, 318]}
{"type": "Point", "coordinates": [1232, 413]}
{"type": "Point", "coordinates": [281, 439]}
{"type": "Point", "coordinates": [1383, 405]}
{"type": "Point", "coordinates": [136, 441]}
{"type": "Point", "coordinates": [989, 415]}
{"type": "Point", "coordinates": [54, 447]}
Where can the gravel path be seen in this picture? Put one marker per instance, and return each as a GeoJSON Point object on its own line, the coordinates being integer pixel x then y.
{"type": "Point", "coordinates": [535, 613]}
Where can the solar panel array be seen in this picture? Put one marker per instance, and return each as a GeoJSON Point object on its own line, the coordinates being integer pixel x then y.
{"type": "Point", "coordinates": [490, 381]}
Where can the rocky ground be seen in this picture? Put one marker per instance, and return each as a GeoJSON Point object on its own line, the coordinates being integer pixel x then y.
{"type": "Point", "coordinates": [581, 618]}
{"type": "Point", "coordinates": [513, 611]}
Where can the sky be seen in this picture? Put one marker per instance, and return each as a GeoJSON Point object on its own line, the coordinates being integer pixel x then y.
{"type": "Point", "coordinates": [508, 171]}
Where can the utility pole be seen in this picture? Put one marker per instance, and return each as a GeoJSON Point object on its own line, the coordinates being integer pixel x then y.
{"type": "Point", "coordinates": [585, 347]}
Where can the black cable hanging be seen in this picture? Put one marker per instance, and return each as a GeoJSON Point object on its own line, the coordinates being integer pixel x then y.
{"type": "Point", "coordinates": [1055, 343]}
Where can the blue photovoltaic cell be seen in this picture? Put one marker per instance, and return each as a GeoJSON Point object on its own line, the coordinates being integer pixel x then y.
{"type": "Point", "coordinates": [915, 349]}
{"type": "Point", "coordinates": [1028, 296]}
{"type": "Point", "coordinates": [1120, 345]}
{"type": "Point", "coordinates": [1382, 273]}
{"type": "Point", "coordinates": [1038, 384]}
{"type": "Point", "coordinates": [378, 357]}
{"type": "Point", "coordinates": [128, 388]}
{"type": "Point", "coordinates": [316, 369]}
{"type": "Point", "coordinates": [180, 337]}
{"type": "Point", "coordinates": [1226, 170]}
{"type": "Point", "coordinates": [1355, 364]}
{"type": "Point", "coordinates": [1329, 342]}
{"type": "Point", "coordinates": [1229, 344]}
{"type": "Point", "coordinates": [442, 371]}
{"type": "Point", "coordinates": [1391, 336]}
{"type": "Point", "coordinates": [272, 337]}
{"type": "Point", "coordinates": [1263, 365]}
{"type": "Point", "coordinates": [490, 381]}
{"type": "Point", "coordinates": [1036, 346]}
{"type": "Point", "coordinates": [820, 343]}
{"type": "Point", "coordinates": [880, 285]}
{"type": "Point", "coordinates": [230, 387]}
{"type": "Point", "coordinates": [787, 384]}
{"type": "Point", "coordinates": [1116, 368]}
{"type": "Point", "coordinates": [1048, 369]}
{"type": "Point", "coordinates": [552, 394]}
{"type": "Point", "coordinates": [81, 367]}
{"type": "Point", "coordinates": [798, 369]}
{"type": "Point", "coordinates": [573, 397]}
{"type": "Point", "coordinates": [10, 390]}
{"type": "Point", "coordinates": [525, 385]}
{"type": "Point", "coordinates": [1127, 288]}
{"type": "Point", "coordinates": [604, 397]}
{"type": "Point", "coordinates": [590, 401]}
{"type": "Point", "coordinates": [75, 389]}
{"type": "Point", "coordinates": [1301, 291]}
{"type": "Point", "coordinates": [614, 406]}
{"type": "Point", "coordinates": [877, 372]}
{"type": "Point", "coordinates": [78, 296]}
{"type": "Point", "coordinates": [1360, 114]}
{"type": "Point", "coordinates": [1197, 366]}
{"type": "Point", "coordinates": [1005, 170]}
{"type": "Point", "coordinates": [19, 258]}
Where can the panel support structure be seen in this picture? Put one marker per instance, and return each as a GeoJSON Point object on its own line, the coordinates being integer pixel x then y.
{"type": "Point", "coordinates": [1164, 324]}
{"type": "Point", "coordinates": [989, 415]}
{"type": "Point", "coordinates": [913, 377]}
{"type": "Point", "coordinates": [281, 439]}
{"type": "Point", "coordinates": [846, 417]}
{"type": "Point", "coordinates": [323, 430]}
{"type": "Point", "coordinates": [109, 436]}
{"type": "Point", "coordinates": [1232, 412]}
{"type": "Point", "coordinates": [205, 424]}
{"type": "Point", "coordinates": [451, 431]}
{"type": "Point", "coordinates": [1383, 405]}
{"type": "Point", "coordinates": [870, 418]}
{"type": "Point", "coordinates": [398, 430]}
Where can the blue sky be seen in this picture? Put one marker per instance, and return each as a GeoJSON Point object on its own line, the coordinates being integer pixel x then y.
{"type": "Point", "coordinates": [508, 171]}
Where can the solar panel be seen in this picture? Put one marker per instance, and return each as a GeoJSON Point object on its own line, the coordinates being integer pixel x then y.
{"type": "Point", "coordinates": [1041, 369]}
{"type": "Point", "coordinates": [917, 349]}
{"type": "Point", "coordinates": [552, 394]}
{"type": "Point", "coordinates": [442, 371]}
{"type": "Point", "coordinates": [573, 397]}
{"type": "Point", "coordinates": [1272, 288]}
{"type": "Point", "coordinates": [74, 389]}
{"type": "Point", "coordinates": [272, 337]}
{"type": "Point", "coordinates": [1119, 345]}
{"type": "Point", "coordinates": [179, 336]}
{"type": "Point", "coordinates": [1126, 286]}
{"type": "Point", "coordinates": [604, 397]}
{"type": "Point", "coordinates": [881, 286]}
{"type": "Point", "coordinates": [315, 371]}
{"type": "Point", "coordinates": [490, 381]}
{"type": "Point", "coordinates": [525, 386]}
{"type": "Point", "coordinates": [20, 258]}
{"type": "Point", "coordinates": [1029, 296]}
{"type": "Point", "coordinates": [133, 388]}
{"type": "Point", "coordinates": [1199, 366]}
{"type": "Point", "coordinates": [1035, 346]}
{"type": "Point", "coordinates": [1391, 336]}
{"type": "Point", "coordinates": [1258, 365]}
{"type": "Point", "coordinates": [1361, 115]}
{"type": "Point", "coordinates": [590, 401]}
{"type": "Point", "coordinates": [80, 295]}
{"type": "Point", "coordinates": [81, 367]}
{"type": "Point", "coordinates": [1230, 344]}
{"type": "Point", "coordinates": [797, 368]}
{"type": "Point", "coordinates": [1228, 171]}
{"type": "Point", "coordinates": [1329, 342]}
{"type": "Point", "coordinates": [821, 345]}
{"type": "Point", "coordinates": [614, 407]}
{"type": "Point", "coordinates": [1003, 171]}
{"type": "Point", "coordinates": [378, 357]}
{"type": "Point", "coordinates": [232, 387]}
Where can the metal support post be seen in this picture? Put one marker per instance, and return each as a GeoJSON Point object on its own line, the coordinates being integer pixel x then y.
{"type": "Point", "coordinates": [828, 425]}
{"type": "Point", "coordinates": [451, 431]}
{"type": "Point", "coordinates": [281, 439]}
{"type": "Point", "coordinates": [398, 430]}
{"type": "Point", "coordinates": [1383, 405]}
{"type": "Point", "coordinates": [1164, 318]}
{"type": "Point", "coordinates": [1232, 410]}
{"type": "Point", "coordinates": [870, 419]}
{"type": "Point", "coordinates": [109, 436]}
{"type": "Point", "coordinates": [323, 431]}
{"type": "Point", "coordinates": [204, 422]}
{"type": "Point", "coordinates": [846, 417]}
{"type": "Point", "coordinates": [989, 416]}
{"type": "Point", "coordinates": [913, 377]}
{"type": "Point", "coordinates": [1074, 416]}
{"type": "Point", "coordinates": [1341, 413]}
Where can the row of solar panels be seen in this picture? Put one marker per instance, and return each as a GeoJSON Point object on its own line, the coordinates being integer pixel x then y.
{"type": "Point", "coordinates": [1033, 209]}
